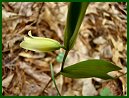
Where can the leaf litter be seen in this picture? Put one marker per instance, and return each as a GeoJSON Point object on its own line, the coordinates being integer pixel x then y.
{"type": "Point", "coordinates": [103, 35]}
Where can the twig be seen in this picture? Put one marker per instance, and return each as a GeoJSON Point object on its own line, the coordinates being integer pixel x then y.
{"type": "Point", "coordinates": [120, 76]}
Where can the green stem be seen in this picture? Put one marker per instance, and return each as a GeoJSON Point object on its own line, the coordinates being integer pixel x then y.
{"type": "Point", "coordinates": [53, 78]}
{"type": "Point", "coordinates": [56, 75]}
{"type": "Point", "coordinates": [63, 47]}
{"type": "Point", "coordinates": [62, 66]}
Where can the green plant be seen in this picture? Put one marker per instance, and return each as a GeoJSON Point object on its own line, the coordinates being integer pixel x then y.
{"type": "Point", "coordinates": [106, 92]}
{"type": "Point", "coordinates": [59, 58]}
{"type": "Point", "coordinates": [84, 69]}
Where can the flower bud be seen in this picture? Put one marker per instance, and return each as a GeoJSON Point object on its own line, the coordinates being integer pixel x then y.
{"type": "Point", "coordinates": [39, 44]}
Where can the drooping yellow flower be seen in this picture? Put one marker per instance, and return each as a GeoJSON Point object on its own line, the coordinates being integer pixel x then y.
{"type": "Point", "coordinates": [39, 44]}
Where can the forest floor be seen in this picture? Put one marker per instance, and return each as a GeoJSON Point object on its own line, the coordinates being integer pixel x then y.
{"type": "Point", "coordinates": [103, 35]}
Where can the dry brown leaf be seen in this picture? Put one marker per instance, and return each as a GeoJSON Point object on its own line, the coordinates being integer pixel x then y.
{"type": "Point", "coordinates": [24, 9]}
{"type": "Point", "coordinates": [53, 23]}
{"type": "Point", "coordinates": [28, 55]}
{"type": "Point", "coordinates": [116, 56]}
{"type": "Point", "coordinates": [31, 89]}
{"type": "Point", "coordinates": [100, 40]}
{"type": "Point", "coordinates": [6, 82]}
{"type": "Point", "coordinates": [41, 77]}
{"type": "Point", "coordinates": [118, 45]}
{"type": "Point", "coordinates": [107, 52]}
{"type": "Point", "coordinates": [6, 15]}
{"type": "Point", "coordinates": [88, 88]}
{"type": "Point", "coordinates": [40, 64]}
{"type": "Point", "coordinates": [71, 92]}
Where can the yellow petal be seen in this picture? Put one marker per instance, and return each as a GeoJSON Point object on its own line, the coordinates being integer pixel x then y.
{"type": "Point", "coordinates": [39, 44]}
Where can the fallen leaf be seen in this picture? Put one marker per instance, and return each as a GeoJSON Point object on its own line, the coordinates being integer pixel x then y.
{"type": "Point", "coordinates": [6, 82]}
{"type": "Point", "coordinates": [41, 77]}
{"type": "Point", "coordinates": [88, 89]}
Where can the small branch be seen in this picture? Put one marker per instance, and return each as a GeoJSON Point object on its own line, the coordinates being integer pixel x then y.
{"type": "Point", "coordinates": [120, 76]}
{"type": "Point", "coordinates": [62, 66]}
{"type": "Point", "coordinates": [53, 78]}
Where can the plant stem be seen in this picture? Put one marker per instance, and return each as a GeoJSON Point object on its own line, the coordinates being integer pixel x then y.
{"type": "Point", "coordinates": [53, 78]}
{"type": "Point", "coordinates": [56, 75]}
{"type": "Point", "coordinates": [62, 66]}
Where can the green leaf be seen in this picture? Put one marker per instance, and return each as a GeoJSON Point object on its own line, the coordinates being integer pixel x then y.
{"type": "Point", "coordinates": [90, 68]}
{"type": "Point", "coordinates": [76, 13]}
{"type": "Point", "coordinates": [106, 92]}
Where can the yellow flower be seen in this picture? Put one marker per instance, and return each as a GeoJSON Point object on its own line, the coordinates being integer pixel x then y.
{"type": "Point", "coordinates": [39, 44]}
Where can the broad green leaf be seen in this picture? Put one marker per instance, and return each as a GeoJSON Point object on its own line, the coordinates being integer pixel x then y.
{"type": "Point", "coordinates": [90, 68]}
{"type": "Point", "coordinates": [76, 13]}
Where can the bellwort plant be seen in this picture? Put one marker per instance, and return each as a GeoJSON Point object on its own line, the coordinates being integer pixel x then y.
{"type": "Point", "coordinates": [83, 69]}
